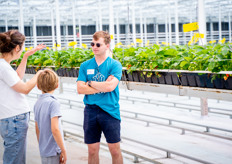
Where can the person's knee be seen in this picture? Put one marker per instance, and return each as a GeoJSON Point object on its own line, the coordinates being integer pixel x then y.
{"type": "Point", "coordinates": [115, 152]}
{"type": "Point", "coordinates": [93, 151]}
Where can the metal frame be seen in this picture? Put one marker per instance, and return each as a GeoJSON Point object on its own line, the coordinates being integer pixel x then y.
{"type": "Point", "coordinates": [170, 121]}
{"type": "Point", "coordinates": [88, 9]}
{"type": "Point", "coordinates": [220, 94]}
{"type": "Point", "coordinates": [137, 156]}
{"type": "Point", "coordinates": [152, 11]}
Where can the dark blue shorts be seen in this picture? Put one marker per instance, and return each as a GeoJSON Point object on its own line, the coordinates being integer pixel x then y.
{"type": "Point", "coordinates": [97, 121]}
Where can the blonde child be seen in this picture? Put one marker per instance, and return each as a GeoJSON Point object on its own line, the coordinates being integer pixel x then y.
{"type": "Point", "coordinates": [47, 120]}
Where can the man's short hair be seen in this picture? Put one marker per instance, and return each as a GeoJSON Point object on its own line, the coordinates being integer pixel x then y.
{"type": "Point", "coordinates": [47, 80]}
{"type": "Point", "coordinates": [102, 34]}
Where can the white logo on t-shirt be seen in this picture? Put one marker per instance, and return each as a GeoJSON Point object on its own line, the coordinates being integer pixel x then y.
{"type": "Point", "coordinates": [100, 78]}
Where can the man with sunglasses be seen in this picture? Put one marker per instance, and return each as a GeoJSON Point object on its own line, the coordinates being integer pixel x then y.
{"type": "Point", "coordinates": [99, 79]}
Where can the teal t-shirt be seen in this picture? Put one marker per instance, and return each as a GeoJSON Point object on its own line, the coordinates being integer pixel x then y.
{"type": "Point", "coordinates": [90, 71]}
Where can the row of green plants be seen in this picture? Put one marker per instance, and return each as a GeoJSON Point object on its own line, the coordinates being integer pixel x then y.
{"type": "Point", "coordinates": [211, 57]}
{"type": "Point", "coordinates": [68, 58]}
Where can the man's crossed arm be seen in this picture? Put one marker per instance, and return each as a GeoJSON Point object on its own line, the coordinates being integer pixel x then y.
{"type": "Point", "coordinates": [107, 86]}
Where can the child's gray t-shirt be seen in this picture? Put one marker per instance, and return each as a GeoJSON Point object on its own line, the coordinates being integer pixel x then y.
{"type": "Point", "coordinates": [47, 107]}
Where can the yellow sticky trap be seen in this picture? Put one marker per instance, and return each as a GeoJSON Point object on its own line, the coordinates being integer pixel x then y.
{"type": "Point", "coordinates": [139, 41]}
{"type": "Point", "coordinates": [199, 36]}
{"type": "Point", "coordinates": [190, 27]}
{"type": "Point", "coordinates": [111, 37]}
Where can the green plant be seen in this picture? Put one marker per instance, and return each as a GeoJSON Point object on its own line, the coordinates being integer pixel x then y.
{"type": "Point", "coordinates": [212, 57]}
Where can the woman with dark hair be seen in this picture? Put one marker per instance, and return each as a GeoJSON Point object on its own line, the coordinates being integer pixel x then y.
{"type": "Point", "coordinates": [14, 109]}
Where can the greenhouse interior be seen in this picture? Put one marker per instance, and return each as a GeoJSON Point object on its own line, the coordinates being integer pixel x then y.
{"type": "Point", "coordinates": [155, 21]}
{"type": "Point", "coordinates": [175, 91]}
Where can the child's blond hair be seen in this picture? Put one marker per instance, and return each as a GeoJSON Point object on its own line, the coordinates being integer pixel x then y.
{"type": "Point", "coordinates": [47, 81]}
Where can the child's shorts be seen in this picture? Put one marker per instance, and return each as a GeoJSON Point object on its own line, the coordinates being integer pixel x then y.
{"type": "Point", "coordinates": [96, 121]}
{"type": "Point", "coordinates": [51, 160]}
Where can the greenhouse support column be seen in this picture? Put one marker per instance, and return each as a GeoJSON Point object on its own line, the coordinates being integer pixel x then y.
{"type": "Point", "coordinates": [100, 15]}
{"type": "Point", "coordinates": [191, 33]}
{"type": "Point", "coordinates": [66, 34]}
{"type": "Point", "coordinates": [184, 38]}
{"type": "Point", "coordinates": [141, 28]}
{"type": "Point", "coordinates": [202, 41]}
{"type": "Point", "coordinates": [6, 20]}
{"type": "Point", "coordinates": [133, 22]}
{"type": "Point", "coordinates": [118, 29]}
{"type": "Point", "coordinates": [80, 32]}
{"type": "Point", "coordinates": [53, 29]}
{"type": "Point", "coordinates": [58, 24]}
{"type": "Point", "coordinates": [169, 24]}
{"type": "Point", "coordinates": [145, 30]}
{"type": "Point", "coordinates": [204, 106]}
{"type": "Point", "coordinates": [229, 28]}
{"type": "Point", "coordinates": [166, 28]}
{"type": "Point", "coordinates": [201, 21]}
{"type": "Point", "coordinates": [220, 23]}
{"type": "Point", "coordinates": [6, 24]}
{"type": "Point", "coordinates": [34, 31]}
{"type": "Point", "coordinates": [111, 11]}
{"type": "Point", "coordinates": [154, 29]}
{"type": "Point", "coordinates": [19, 25]}
{"type": "Point", "coordinates": [191, 20]}
{"type": "Point", "coordinates": [211, 30]}
{"type": "Point", "coordinates": [157, 32]}
{"type": "Point", "coordinates": [127, 42]}
{"type": "Point", "coordinates": [97, 24]}
{"type": "Point", "coordinates": [21, 17]}
{"type": "Point", "coordinates": [74, 23]}
{"type": "Point", "coordinates": [176, 23]}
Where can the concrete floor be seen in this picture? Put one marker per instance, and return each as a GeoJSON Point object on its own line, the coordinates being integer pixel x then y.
{"type": "Point", "coordinates": [77, 152]}
{"type": "Point", "coordinates": [214, 150]}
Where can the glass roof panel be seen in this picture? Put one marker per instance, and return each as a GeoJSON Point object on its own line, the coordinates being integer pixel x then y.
{"type": "Point", "coordinates": [88, 11]}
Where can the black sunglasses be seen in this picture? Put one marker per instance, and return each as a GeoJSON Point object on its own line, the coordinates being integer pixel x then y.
{"type": "Point", "coordinates": [97, 44]}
